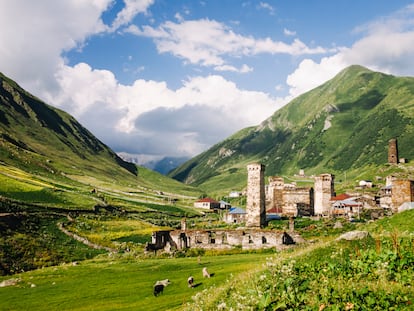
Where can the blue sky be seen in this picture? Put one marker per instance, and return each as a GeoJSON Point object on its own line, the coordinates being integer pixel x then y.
{"type": "Point", "coordinates": [155, 78]}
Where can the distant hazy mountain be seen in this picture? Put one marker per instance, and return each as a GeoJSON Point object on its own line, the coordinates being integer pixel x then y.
{"type": "Point", "coordinates": [344, 124]}
{"type": "Point", "coordinates": [37, 137]}
{"type": "Point", "coordinates": [161, 165]}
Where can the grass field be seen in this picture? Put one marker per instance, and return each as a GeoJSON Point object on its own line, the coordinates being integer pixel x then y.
{"type": "Point", "coordinates": [121, 283]}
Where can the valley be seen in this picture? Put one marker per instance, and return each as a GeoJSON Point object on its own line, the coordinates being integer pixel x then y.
{"type": "Point", "coordinates": [76, 219]}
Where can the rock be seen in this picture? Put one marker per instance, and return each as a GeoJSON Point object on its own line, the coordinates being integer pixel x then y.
{"type": "Point", "coordinates": [338, 225]}
{"type": "Point", "coordinates": [354, 235]}
{"type": "Point", "coordinates": [10, 282]}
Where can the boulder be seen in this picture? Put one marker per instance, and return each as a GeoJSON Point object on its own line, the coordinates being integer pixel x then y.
{"type": "Point", "coordinates": [354, 235]}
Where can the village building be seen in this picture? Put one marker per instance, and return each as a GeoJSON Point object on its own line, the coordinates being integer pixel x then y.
{"type": "Point", "coordinates": [236, 215]}
{"type": "Point", "coordinates": [365, 184]}
{"type": "Point", "coordinates": [288, 199]}
{"type": "Point", "coordinates": [395, 193]}
{"type": "Point", "coordinates": [344, 205]}
{"type": "Point", "coordinates": [251, 236]}
{"type": "Point", "coordinates": [235, 194]}
{"type": "Point", "coordinates": [207, 203]}
{"type": "Point", "coordinates": [402, 191]}
{"type": "Point", "coordinates": [223, 205]}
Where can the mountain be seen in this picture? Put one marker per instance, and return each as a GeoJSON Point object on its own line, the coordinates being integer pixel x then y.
{"type": "Point", "coordinates": [158, 164]}
{"type": "Point", "coordinates": [39, 138]}
{"type": "Point", "coordinates": [343, 125]}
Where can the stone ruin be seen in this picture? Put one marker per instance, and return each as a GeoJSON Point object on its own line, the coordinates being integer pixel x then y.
{"type": "Point", "coordinates": [253, 236]}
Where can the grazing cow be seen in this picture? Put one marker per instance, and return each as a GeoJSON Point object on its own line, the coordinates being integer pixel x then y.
{"type": "Point", "coordinates": [158, 289]}
{"type": "Point", "coordinates": [190, 281]}
{"type": "Point", "coordinates": [205, 273]}
{"type": "Point", "coordinates": [159, 286]}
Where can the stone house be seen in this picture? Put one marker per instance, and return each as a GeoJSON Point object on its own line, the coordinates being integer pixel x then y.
{"type": "Point", "coordinates": [288, 199]}
{"type": "Point", "coordinates": [251, 236]}
{"type": "Point", "coordinates": [235, 215]}
{"type": "Point", "coordinates": [395, 193]}
{"type": "Point", "coordinates": [348, 207]}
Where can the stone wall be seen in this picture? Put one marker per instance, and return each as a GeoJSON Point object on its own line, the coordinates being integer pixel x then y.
{"type": "Point", "coordinates": [227, 239]}
{"type": "Point", "coordinates": [288, 199]}
{"type": "Point", "coordinates": [298, 201]}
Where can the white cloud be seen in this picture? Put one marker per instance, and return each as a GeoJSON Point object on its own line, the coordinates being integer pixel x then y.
{"type": "Point", "coordinates": [34, 34]}
{"type": "Point", "coordinates": [207, 42]}
{"type": "Point", "coordinates": [244, 69]}
{"type": "Point", "coordinates": [154, 116]}
{"type": "Point", "coordinates": [148, 116]}
{"type": "Point", "coordinates": [178, 17]}
{"type": "Point", "coordinates": [131, 9]}
{"type": "Point", "coordinates": [288, 32]}
{"type": "Point", "coordinates": [387, 45]}
{"type": "Point", "coordinates": [267, 6]}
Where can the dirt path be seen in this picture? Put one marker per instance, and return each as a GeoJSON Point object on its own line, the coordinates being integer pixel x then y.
{"type": "Point", "coordinates": [84, 240]}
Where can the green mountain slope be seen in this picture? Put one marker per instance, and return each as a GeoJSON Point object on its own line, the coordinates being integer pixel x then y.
{"type": "Point", "coordinates": [342, 125]}
{"type": "Point", "coordinates": [54, 173]}
{"type": "Point", "coordinates": [38, 137]}
{"type": "Point", "coordinates": [44, 149]}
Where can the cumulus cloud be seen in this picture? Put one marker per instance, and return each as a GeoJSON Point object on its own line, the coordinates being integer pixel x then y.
{"type": "Point", "coordinates": [34, 34]}
{"type": "Point", "coordinates": [148, 115]}
{"type": "Point", "coordinates": [208, 42]}
{"type": "Point", "coordinates": [386, 45]}
{"type": "Point", "coordinates": [243, 69]}
{"type": "Point", "coordinates": [116, 113]}
{"type": "Point", "coordinates": [132, 8]}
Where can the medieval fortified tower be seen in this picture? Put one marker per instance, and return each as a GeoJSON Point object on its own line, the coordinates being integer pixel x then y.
{"type": "Point", "coordinates": [392, 151]}
{"type": "Point", "coordinates": [324, 191]}
{"type": "Point", "coordinates": [255, 205]}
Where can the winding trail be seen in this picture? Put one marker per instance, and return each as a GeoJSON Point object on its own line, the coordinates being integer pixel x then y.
{"type": "Point", "coordinates": [84, 240]}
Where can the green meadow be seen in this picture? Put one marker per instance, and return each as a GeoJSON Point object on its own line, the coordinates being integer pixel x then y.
{"type": "Point", "coordinates": [122, 283]}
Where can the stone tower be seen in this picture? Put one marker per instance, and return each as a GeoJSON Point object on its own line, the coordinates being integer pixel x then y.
{"type": "Point", "coordinates": [324, 190]}
{"type": "Point", "coordinates": [392, 151]}
{"type": "Point", "coordinates": [255, 205]}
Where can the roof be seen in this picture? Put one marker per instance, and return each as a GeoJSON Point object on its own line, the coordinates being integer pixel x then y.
{"type": "Point", "coordinates": [274, 210]}
{"type": "Point", "coordinates": [406, 206]}
{"type": "Point", "coordinates": [237, 210]}
{"type": "Point", "coordinates": [340, 197]}
{"type": "Point", "coordinates": [206, 200]}
{"type": "Point", "coordinates": [348, 202]}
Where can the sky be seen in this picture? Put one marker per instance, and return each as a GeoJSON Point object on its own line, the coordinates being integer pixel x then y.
{"type": "Point", "coordinates": [155, 78]}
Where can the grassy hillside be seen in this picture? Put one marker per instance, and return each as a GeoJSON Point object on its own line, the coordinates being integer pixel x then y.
{"type": "Point", "coordinates": [372, 274]}
{"type": "Point", "coordinates": [39, 138]}
{"type": "Point", "coordinates": [54, 171]}
{"type": "Point", "coordinates": [341, 126]}
{"type": "Point", "coordinates": [118, 214]}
